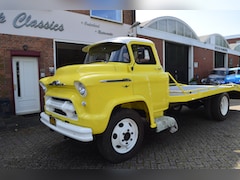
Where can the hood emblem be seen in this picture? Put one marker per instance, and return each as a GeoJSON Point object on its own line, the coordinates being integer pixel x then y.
{"type": "Point", "coordinates": [56, 83]}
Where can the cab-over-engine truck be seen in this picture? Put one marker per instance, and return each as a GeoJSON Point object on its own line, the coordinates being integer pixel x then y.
{"type": "Point", "coordinates": [120, 89]}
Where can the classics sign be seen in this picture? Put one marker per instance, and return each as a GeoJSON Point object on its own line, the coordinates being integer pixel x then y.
{"type": "Point", "coordinates": [25, 20]}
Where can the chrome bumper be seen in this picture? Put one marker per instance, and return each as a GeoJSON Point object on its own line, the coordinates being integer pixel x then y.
{"type": "Point", "coordinates": [76, 132]}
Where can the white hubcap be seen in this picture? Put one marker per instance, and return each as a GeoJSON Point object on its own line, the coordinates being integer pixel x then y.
{"type": "Point", "coordinates": [224, 105]}
{"type": "Point", "coordinates": [124, 136]}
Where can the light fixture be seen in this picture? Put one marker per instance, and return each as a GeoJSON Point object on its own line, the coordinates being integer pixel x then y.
{"type": "Point", "coordinates": [25, 47]}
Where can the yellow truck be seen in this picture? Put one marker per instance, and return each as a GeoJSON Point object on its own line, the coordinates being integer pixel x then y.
{"type": "Point", "coordinates": [119, 90]}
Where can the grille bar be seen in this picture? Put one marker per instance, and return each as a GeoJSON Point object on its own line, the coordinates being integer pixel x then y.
{"type": "Point", "coordinates": [61, 107]}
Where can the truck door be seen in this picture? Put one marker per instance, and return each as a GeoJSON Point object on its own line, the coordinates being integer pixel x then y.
{"type": "Point", "coordinates": [149, 80]}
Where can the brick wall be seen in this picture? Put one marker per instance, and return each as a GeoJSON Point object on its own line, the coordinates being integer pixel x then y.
{"type": "Point", "coordinates": [10, 43]}
{"type": "Point", "coordinates": [204, 57]}
{"type": "Point", "coordinates": [234, 59]}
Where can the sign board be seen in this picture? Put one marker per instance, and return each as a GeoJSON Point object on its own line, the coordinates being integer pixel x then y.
{"type": "Point", "coordinates": [62, 25]}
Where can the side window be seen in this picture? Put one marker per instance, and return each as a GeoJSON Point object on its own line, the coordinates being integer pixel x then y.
{"type": "Point", "coordinates": [143, 54]}
{"type": "Point", "coordinates": [231, 72]}
{"type": "Point", "coordinates": [125, 56]}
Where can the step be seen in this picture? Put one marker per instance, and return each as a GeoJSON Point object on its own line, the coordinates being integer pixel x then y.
{"type": "Point", "coordinates": [166, 122]}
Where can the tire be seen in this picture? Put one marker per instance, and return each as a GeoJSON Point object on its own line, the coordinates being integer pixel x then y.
{"type": "Point", "coordinates": [177, 108]}
{"type": "Point", "coordinates": [218, 107]}
{"type": "Point", "coordinates": [123, 136]}
{"type": "Point", "coordinates": [174, 109]}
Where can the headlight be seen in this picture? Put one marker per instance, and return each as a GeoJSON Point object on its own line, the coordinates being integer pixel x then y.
{"type": "Point", "coordinates": [81, 88]}
{"type": "Point", "coordinates": [43, 86]}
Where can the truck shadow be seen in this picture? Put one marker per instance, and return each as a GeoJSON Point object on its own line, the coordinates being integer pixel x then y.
{"type": "Point", "coordinates": [199, 142]}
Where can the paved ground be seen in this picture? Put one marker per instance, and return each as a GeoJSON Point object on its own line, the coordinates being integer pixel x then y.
{"type": "Point", "coordinates": [25, 143]}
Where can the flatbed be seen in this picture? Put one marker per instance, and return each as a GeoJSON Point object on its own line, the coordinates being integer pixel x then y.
{"type": "Point", "coordinates": [186, 93]}
{"type": "Point", "coordinates": [180, 93]}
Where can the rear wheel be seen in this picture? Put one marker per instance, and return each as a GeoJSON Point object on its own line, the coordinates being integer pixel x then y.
{"type": "Point", "coordinates": [218, 107]}
{"type": "Point", "coordinates": [123, 136]}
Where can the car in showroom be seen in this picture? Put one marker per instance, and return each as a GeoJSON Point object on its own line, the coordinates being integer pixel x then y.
{"type": "Point", "coordinates": [223, 76]}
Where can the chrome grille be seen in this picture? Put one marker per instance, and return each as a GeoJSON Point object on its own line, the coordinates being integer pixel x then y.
{"type": "Point", "coordinates": [62, 107]}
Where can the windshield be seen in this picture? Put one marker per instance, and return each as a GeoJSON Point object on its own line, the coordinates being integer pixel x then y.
{"type": "Point", "coordinates": [219, 72]}
{"type": "Point", "coordinates": [108, 52]}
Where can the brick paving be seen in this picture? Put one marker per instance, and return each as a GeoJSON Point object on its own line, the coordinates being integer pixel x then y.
{"type": "Point", "coordinates": [25, 143]}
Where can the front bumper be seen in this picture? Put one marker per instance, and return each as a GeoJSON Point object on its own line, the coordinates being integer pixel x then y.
{"type": "Point", "coordinates": [76, 132]}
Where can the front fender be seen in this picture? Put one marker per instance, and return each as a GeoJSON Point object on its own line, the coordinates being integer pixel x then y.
{"type": "Point", "coordinates": [128, 102]}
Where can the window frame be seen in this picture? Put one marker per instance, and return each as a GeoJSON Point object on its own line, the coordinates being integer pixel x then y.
{"type": "Point", "coordinates": [151, 61]}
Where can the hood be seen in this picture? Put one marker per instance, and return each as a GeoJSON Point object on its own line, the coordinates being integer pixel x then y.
{"type": "Point", "coordinates": [68, 74]}
{"type": "Point", "coordinates": [215, 76]}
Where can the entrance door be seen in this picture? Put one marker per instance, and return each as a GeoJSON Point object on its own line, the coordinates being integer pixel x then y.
{"type": "Point", "coordinates": [219, 59]}
{"type": "Point", "coordinates": [176, 61]}
{"type": "Point", "coordinates": [25, 83]}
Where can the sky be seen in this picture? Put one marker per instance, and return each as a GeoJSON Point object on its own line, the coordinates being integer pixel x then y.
{"type": "Point", "coordinates": [203, 22]}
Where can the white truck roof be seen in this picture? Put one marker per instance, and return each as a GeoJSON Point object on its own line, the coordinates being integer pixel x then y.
{"type": "Point", "coordinates": [124, 40]}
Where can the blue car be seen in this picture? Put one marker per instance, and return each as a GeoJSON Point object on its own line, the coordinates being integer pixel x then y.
{"type": "Point", "coordinates": [233, 76]}
{"type": "Point", "coordinates": [216, 76]}
{"type": "Point", "coordinates": [223, 76]}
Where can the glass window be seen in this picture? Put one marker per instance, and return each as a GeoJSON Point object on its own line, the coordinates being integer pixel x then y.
{"type": "Point", "coordinates": [180, 29]}
{"type": "Point", "coordinates": [188, 32]}
{"type": "Point", "coordinates": [220, 41]}
{"type": "Point", "coordinates": [163, 25]}
{"type": "Point", "coordinates": [143, 54]}
{"type": "Point", "coordinates": [153, 25]}
{"type": "Point", "coordinates": [237, 48]}
{"type": "Point", "coordinates": [110, 15]}
{"type": "Point", "coordinates": [172, 26]}
{"type": "Point", "coordinates": [107, 52]}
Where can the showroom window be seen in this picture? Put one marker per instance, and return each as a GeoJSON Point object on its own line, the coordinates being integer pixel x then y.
{"type": "Point", "coordinates": [220, 41]}
{"type": "Point", "coordinates": [110, 15]}
{"type": "Point", "coordinates": [237, 48]}
{"type": "Point", "coordinates": [172, 25]}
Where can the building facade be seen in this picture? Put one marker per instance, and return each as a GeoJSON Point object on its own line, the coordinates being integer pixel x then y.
{"type": "Point", "coordinates": [34, 43]}
{"type": "Point", "coordinates": [185, 55]}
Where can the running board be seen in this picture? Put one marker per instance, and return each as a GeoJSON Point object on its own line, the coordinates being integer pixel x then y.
{"type": "Point", "coordinates": [165, 122]}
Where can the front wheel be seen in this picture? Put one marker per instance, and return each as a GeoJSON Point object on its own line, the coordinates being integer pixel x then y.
{"type": "Point", "coordinates": [123, 136]}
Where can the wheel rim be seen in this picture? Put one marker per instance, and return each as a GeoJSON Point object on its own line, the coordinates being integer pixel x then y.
{"type": "Point", "coordinates": [224, 105]}
{"type": "Point", "coordinates": [124, 136]}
